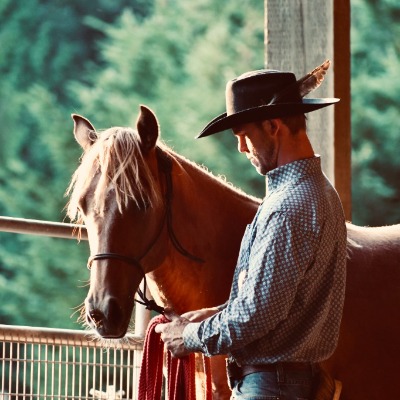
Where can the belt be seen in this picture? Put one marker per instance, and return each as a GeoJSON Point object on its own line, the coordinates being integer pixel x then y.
{"type": "Point", "coordinates": [280, 366]}
{"type": "Point", "coordinates": [236, 373]}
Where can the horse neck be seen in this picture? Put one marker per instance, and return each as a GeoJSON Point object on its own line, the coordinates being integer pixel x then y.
{"type": "Point", "coordinates": [208, 218]}
{"type": "Point", "coordinates": [207, 207]}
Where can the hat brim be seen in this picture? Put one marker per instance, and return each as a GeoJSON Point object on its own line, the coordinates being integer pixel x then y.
{"type": "Point", "coordinates": [280, 110]}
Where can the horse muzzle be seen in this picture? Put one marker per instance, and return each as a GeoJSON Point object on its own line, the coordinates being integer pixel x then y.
{"type": "Point", "coordinates": [108, 318]}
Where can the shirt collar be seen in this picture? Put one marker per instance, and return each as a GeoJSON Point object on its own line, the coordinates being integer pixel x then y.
{"type": "Point", "coordinates": [291, 172]}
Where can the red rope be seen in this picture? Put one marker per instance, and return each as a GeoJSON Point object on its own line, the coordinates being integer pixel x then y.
{"type": "Point", "coordinates": [150, 379]}
{"type": "Point", "coordinates": [180, 371]}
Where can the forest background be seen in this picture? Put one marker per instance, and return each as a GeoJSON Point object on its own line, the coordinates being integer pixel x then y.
{"type": "Point", "coordinates": [104, 58]}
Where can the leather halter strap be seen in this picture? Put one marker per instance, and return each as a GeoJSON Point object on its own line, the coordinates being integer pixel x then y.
{"type": "Point", "coordinates": [165, 166]}
{"type": "Point", "coordinates": [144, 300]}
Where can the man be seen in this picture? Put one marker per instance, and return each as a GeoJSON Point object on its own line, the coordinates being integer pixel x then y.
{"type": "Point", "coordinates": [284, 311]}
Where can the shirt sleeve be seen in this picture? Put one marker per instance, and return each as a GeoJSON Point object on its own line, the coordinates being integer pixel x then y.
{"type": "Point", "coordinates": [279, 255]}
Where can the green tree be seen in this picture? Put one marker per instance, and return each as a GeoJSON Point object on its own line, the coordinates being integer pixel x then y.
{"type": "Point", "coordinates": [375, 111]}
{"type": "Point", "coordinates": [178, 67]}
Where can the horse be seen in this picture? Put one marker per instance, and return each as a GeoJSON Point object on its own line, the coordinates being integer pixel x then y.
{"type": "Point", "coordinates": [151, 212]}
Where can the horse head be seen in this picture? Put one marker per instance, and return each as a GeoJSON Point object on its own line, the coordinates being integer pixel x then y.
{"type": "Point", "coordinates": [116, 193]}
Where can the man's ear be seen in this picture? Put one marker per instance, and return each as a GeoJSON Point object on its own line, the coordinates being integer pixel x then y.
{"type": "Point", "coordinates": [271, 127]}
{"type": "Point", "coordinates": [275, 125]}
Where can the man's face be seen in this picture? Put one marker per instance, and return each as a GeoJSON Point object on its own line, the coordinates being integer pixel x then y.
{"type": "Point", "coordinates": [260, 147]}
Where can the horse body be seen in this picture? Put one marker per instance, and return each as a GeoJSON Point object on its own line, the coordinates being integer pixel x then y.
{"type": "Point", "coordinates": [367, 359]}
{"type": "Point", "coordinates": [209, 219]}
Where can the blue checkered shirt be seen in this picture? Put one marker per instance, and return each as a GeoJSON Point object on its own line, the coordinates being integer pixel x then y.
{"type": "Point", "coordinates": [288, 288]}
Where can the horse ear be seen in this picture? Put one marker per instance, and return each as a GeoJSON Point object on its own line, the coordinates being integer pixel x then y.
{"type": "Point", "coordinates": [148, 128]}
{"type": "Point", "coordinates": [84, 131]}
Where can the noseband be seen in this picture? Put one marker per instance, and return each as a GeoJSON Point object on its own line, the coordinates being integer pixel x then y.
{"type": "Point", "coordinates": [148, 303]}
{"type": "Point", "coordinates": [165, 166]}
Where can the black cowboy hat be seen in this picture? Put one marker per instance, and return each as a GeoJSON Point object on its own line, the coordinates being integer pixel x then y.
{"type": "Point", "coordinates": [266, 94]}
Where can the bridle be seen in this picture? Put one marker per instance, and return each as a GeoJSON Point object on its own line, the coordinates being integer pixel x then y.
{"type": "Point", "coordinates": [165, 167]}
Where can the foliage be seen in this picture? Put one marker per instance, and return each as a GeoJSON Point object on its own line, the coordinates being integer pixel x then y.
{"type": "Point", "coordinates": [375, 111]}
{"type": "Point", "coordinates": [180, 74]}
{"type": "Point", "coordinates": [40, 285]}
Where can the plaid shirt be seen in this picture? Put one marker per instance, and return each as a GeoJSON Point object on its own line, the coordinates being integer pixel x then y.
{"type": "Point", "coordinates": [288, 288]}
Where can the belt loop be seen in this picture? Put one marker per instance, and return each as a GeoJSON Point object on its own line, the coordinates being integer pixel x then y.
{"type": "Point", "coordinates": [280, 373]}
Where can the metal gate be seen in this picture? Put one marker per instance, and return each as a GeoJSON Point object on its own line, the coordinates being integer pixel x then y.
{"type": "Point", "coordinates": [46, 364]}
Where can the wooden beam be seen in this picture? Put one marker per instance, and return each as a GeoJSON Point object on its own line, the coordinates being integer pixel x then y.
{"type": "Point", "coordinates": [299, 35]}
{"type": "Point", "coordinates": [342, 79]}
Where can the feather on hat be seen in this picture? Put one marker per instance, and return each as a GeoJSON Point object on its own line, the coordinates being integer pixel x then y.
{"type": "Point", "coordinates": [267, 94]}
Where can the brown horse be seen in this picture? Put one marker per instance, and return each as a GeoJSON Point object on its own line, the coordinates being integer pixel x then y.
{"type": "Point", "coordinates": [150, 211]}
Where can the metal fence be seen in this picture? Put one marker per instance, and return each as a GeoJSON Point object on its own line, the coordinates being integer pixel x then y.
{"type": "Point", "coordinates": [47, 364]}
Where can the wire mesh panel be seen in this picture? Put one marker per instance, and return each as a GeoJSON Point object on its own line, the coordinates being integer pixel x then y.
{"type": "Point", "coordinates": [64, 364]}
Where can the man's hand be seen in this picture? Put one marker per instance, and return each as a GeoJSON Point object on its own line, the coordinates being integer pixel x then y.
{"type": "Point", "coordinates": [172, 334]}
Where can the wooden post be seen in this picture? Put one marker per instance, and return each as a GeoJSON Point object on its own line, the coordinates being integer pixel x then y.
{"type": "Point", "coordinates": [299, 35]}
{"type": "Point", "coordinates": [342, 57]}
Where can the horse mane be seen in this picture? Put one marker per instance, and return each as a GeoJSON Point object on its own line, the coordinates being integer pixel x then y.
{"type": "Point", "coordinates": [116, 158]}
{"type": "Point", "coordinates": [221, 180]}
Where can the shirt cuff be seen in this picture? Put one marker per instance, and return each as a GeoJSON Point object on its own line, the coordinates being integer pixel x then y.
{"type": "Point", "coordinates": [191, 337]}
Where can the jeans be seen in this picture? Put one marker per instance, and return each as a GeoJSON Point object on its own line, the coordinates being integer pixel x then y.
{"type": "Point", "coordinates": [278, 385]}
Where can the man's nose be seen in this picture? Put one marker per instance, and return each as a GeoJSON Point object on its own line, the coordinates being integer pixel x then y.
{"type": "Point", "coordinates": [242, 145]}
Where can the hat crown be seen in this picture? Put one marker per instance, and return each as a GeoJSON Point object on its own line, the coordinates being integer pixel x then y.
{"type": "Point", "coordinates": [267, 94]}
{"type": "Point", "coordinates": [257, 88]}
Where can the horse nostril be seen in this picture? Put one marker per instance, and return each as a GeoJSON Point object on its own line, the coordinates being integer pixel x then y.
{"type": "Point", "coordinates": [107, 318]}
{"type": "Point", "coordinates": [95, 318]}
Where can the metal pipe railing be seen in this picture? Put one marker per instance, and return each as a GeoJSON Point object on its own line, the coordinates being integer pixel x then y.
{"type": "Point", "coordinates": [42, 228]}
{"type": "Point", "coordinates": [64, 337]}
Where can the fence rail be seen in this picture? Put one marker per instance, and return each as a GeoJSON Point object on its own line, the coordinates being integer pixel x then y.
{"type": "Point", "coordinates": [42, 228]}
{"type": "Point", "coordinates": [60, 364]}
{"type": "Point", "coordinates": [46, 364]}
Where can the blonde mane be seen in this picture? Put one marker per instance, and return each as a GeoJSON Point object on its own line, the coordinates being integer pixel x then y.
{"type": "Point", "coordinates": [116, 159]}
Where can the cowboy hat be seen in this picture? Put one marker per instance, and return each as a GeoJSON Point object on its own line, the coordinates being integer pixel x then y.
{"type": "Point", "coordinates": [266, 94]}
